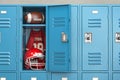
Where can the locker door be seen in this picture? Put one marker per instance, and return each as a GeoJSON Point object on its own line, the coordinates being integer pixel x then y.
{"type": "Point", "coordinates": [8, 76]}
{"type": "Point", "coordinates": [95, 76]}
{"type": "Point", "coordinates": [116, 38]}
{"type": "Point", "coordinates": [34, 76]}
{"type": "Point", "coordinates": [116, 76]}
{"type": "Point", "coordinates": [95, 38]}
{"type": "Point", "coordinates": [64, 76]}
{"type": "Point", "coordinates": [8, 38]}
{"type": "Point", "coordinates": [58, 38]}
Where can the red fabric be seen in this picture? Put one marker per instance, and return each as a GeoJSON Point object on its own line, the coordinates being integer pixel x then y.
{"type": "Point", "coordinates": [37, 40]}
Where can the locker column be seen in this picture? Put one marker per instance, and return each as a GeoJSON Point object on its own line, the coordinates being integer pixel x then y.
{"type": "Point", "coordinates": [8, 43]}
{"type": "Point", "coordinates": [95, 43]}
{"type": "Point", "coordinates": [116, 42]}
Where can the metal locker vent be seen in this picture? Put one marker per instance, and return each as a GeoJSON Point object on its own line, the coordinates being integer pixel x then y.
{"type": "Point", "coordinates": [4, 58]}
{"type": "Point", "coordinates": [59, 21]}
{"type": "Point", "coordinates": [93, 23]}
{"type": "Point", "coordinates": [4, 22]}
{"type": "Point", "coordinates": [59, 58]}
{"type": "Point", "coordinates": [94, 59]}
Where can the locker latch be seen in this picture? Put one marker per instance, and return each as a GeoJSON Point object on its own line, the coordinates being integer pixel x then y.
{"type": "Point", "coordinates": [64, 37]}
{"type": "Point", "coordinates": [117, 37]}
{"type": "Point", "coordinates": [88, 37]}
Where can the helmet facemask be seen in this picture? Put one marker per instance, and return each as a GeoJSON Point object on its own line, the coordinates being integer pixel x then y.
{"type": "Point", "coordinates": [35, 62]}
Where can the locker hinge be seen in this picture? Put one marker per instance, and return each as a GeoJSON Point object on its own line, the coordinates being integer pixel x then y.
{"type": "Point", "coordinates": [69, 20]}
{"type": "Point", "coordinates": [69, 60]}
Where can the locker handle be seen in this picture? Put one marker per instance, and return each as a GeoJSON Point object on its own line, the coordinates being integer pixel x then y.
{"type": "Point", "coordinates": [88, 37]}
{"type": "Point", "coordinates": [117, 37]}
{"type": "Point", "coordinates": [64, 37]}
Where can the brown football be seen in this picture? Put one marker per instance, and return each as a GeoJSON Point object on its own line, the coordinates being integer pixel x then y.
{"type": "Point", "coordinates": [34, 17]}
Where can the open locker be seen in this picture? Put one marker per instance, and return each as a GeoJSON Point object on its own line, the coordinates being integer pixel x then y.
{"type": "Point", "coordinates": [34, 38]}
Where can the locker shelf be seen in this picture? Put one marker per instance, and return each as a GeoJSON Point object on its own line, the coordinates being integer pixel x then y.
{"type": "Point", "coordinates": [33, 25]}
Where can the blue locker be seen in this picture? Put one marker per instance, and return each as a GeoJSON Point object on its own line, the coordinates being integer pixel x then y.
{"type": "Point", "coordinates": [116, 76]}
{"type": "Point", "coordinates": [8, 38]}
{"type": "Point", "coordinates": [33, 76]}
{"type": "Point", "coordinates": [116, 37]}
{"type": "Point", "coordinates": [95, 76]}
{"type": "Point", "coordinates": [8, 76]}
{"type": "Point", "coordinates": [64, 76]}
{"type": "Point", "coordinates": [59, 38]}
{"type": "Point", "coordinates": [95, 38]}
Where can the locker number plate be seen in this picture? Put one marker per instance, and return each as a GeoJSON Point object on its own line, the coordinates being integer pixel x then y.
{"type": "Point", "coordinates": [95, 78]}
{"type": "Point", "coordinates": [2, 78]}
{"type": "Point", "coordinates": [33, 78]}
{"type": "Point", "coordinates": [88, 37]}
{"type": "Point", "coordinates": [3, 12]}
{"type": "Point", "coordinates": [64, 78]}
{"type": "Point", "coordinates": [117, 37]}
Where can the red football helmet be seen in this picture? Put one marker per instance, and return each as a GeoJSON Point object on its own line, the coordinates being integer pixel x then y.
{"type": "Point", "coordinates": [34, 59]}
{"type": "Point", "coordinates": [34, 17]}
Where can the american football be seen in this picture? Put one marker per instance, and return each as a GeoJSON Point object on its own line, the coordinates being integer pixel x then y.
{"type": "Point", "coordinates": [34, 17]}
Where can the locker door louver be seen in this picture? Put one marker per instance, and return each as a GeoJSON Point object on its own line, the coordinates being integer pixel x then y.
{"type": "Point", "coordinates": [58, 21]}
{"type": "Point", "coordinates": [4, 22]}
{"type": "Point", "coordinates": [94, 23]}
{"type": "Point", "coordinates": [4, 58]}
{"type": "Point", "coordinates": [94, 58]}
{"type": "Point", "coordinates": [59, 58]}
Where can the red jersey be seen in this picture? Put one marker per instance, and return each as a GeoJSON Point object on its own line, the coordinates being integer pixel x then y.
{"type": "Point", "coordinates": [36, 40]}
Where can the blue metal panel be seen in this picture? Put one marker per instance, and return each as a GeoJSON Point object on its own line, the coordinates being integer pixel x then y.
{"type": "Point", "coordinates": [116, 45]}
{"type": "Point", "coordinates": [33, 76]}
{"type": "Point", "coordinates": [95, 38]}
{"type": "Point", "coordinates": [116, 76]}
{"type": "Point", "coordinates": [64, 76]}
{"type": "Point", "coordinates": [74, 37]}
{"type": "Point", "coordinates": [95, 76]}
{"type": "Point", "coordinates": [8, 76]}
{"type": "Point", "coordinates": [8, 38]}
{"type": "Point", "coordinates": [58, 38]}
